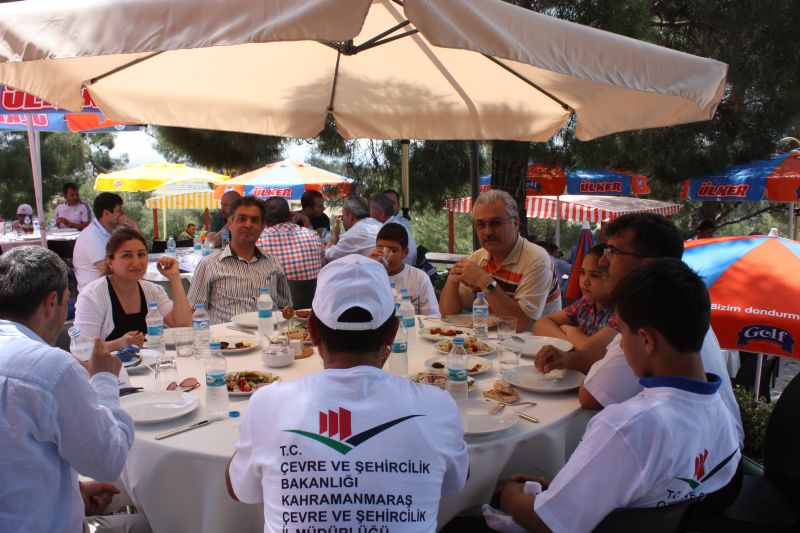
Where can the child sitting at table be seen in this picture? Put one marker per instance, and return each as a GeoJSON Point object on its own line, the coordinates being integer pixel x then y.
{"type": "Point", "coordinates": [390, 250]}
{"type": "Point", "coordinates": [588, 323]}
{"type": "Point", "coordinates": [673, 441]}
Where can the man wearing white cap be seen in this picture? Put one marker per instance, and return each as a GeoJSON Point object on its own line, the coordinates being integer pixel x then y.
{"type": "Point", "coordinates": [351, 445]}
{"type": "Point", "coordinates": [24, 217]}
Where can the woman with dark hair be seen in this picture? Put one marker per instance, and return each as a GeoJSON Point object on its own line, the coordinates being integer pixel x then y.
{"type": "Point", "coordinates": [114, 307]}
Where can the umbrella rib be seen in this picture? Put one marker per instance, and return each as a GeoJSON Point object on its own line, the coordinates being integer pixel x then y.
{"type": "Point", "coordinates": [335, 79]}
{"type": "Point", "coordinates": [122, 67]}
{"type": "Point", "coordinates": [373, 43]}
{"type": "Point", "coordinates": [548, 94]}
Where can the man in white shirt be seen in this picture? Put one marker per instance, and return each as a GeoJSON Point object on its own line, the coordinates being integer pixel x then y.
{"type": "Point", "coordinates": [89, 254]}
{"type": "Point", "coordinates": [634, 240]}
{"type": "Point", "coordinates": [517, 277]}
{"type": "Point", "coordinates": [73, 213]}
{"type": "Point", "coordinates": [336, 449]}
{"type": "Point", "coordinates": [672, 441]}
{"type": "Point", "coordinates": [58, 417]}
{"type": "Point", "coordinates": [381, 208]}
{"type": "Point", "coordinates": [360, 230]}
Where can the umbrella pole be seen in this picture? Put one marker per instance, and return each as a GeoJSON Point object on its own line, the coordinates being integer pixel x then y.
{"type": "Point", "coordinates": [759, 361]}
{"type": "Point", "coordinates": [36, 171]}
{"type": "Point", "coordinates": [207, 225]}
{"type": "Point", "coordinates": [155, 223]}
{"type": "Point", "coordinates": [558, 222]}
{"type": "Point", "coordinates": [449, 232]}
{"type": "Point", "coordinates": [404, 175]}
{"type": "Point", "coordinates": [792, 221]}
{"type": "Point", "coordinates": [165, 224]}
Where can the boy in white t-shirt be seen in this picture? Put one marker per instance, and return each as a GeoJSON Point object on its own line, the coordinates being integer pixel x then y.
{"type": "Point", "coordinates": [673, 441]}
{"type": "Point", "coordinates": [350, 447]}
{"type": "Point", "coordinates": [394, 238]}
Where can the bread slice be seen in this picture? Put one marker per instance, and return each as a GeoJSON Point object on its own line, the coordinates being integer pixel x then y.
{"type": "Point", "coordinates": [502, 392]}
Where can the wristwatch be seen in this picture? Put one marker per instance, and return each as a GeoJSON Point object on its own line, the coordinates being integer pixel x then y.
{"type": "Point", "coordinates": [490, 287]}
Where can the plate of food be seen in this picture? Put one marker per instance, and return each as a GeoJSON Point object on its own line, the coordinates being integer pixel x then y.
{"type": "Point", "coordinates": [237, 344]}
{"type": "Point", "coordinates": [302, 314]}
{"type": "Point", "coordinates": [439, 379]}
{"type": "Point", "coordinates": [475, 365]}
{"type": "Point", "coordinates": [465, 320]}
{"type": "Point", "coordinates": [150, 407]}
{"type": "Point", "coordinates": [477, 421]}
{"type": "Point", "coordinates": [443, 333]}
{"type": "Point", "coordinates": [246, 320]}
{"type": "Point", "coordinates": [528, 377]}
{"type": "Point", "coordinates": [246, 382]}
{"type": "Point", "coordinates": [471, 345]}
{"type": "Point", "coordinates": [534, 343]}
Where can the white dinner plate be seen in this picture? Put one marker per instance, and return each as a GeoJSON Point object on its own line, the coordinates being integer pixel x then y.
{"type": "Point", "coordinates": [477, 421]}
{"type": "Point", "coordinates": [426, 333]}
{"type": "Point", "coordinates": [465, 320]}
{"type": "Point", "coordinates": [534, 343]}
{"type": "Point", "coordinates": [445, 346]}
{"type": "Point", "coordinates": [147, 407]}
{"type": "Point", "coordinates": [246, 320]}
{"type": "Point", "coordinates": [149, 358]}
{"type": "Point", "coordinates": [251, 340]}
{"type": "Point", "coordinates": [483, 364]}
{"type": "Point", "coordinates": [439, 379]}
{"type": "Point", "coordinates": [529, 378]}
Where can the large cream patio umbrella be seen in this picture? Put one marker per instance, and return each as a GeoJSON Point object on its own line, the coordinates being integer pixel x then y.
{"type": "Point", "coordinates": [412, 69]}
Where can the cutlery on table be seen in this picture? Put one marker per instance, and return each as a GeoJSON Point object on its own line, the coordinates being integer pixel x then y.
{"type": "Point", "coordinates": [496, 408]}
{"type": "Point", "coordinates": [420, 323]}
{"type": "Point", "coordinates": [190, 427]}
{"type": "Point", "coordinates": [234, 327]}
{"type": "Point", "coordinates": [130, 390]}
{"type": "Point", "coordinates": [529, 418]}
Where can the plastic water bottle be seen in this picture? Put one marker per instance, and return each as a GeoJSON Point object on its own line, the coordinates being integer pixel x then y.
{"type": "Point", "coordinates": [406, 312]}
{"type": "Point", "coordinates": [172, 250]}
{"type": "Point", "coordinates": [208, 247]}
{"type": "Point", "coordinates": [266, 318]}
{"type": "Point", "coordinates": [457, 365]}
{"type": "Point", "coordinates": [201, 324]}
{"type": "Point", "coordinates": [80, 345]}
{"type": "Point", "coordinates": [397, 363]}
{"type": "Point", "coordinates": [198, 244]}
{"type": "Point", "coordinates": [480, 317]}
{"type": "Point", "coordinates": [155, 328]}
{"type": "Point", "coordinates": [36, 228]}
{"type": "Point", "coordinates": [9, 228]}
{"type": "Point", "coordinates": [226, 236]}
{"type": "Point", "coordinates": [216, 390]}
{"type": "Point", "coordinates": [395, 296]}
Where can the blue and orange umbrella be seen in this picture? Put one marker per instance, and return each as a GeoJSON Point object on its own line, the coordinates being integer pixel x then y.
{"type": "Point", "coordinates": [776, 179]}
{"type": "Point", "coordinates": [553, 180]}
{"type": "Point", "coordinates": [585, 243]}
{"type": "Point", "coordinates": [288, 179]}
{"type": "Point", "coordinates": [755, 291]}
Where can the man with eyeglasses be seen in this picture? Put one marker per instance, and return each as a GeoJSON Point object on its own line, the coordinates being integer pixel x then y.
{"type": "Point", "coordinates": [516, 276]}
{"type": "Point", "coordinates": [633, 240]}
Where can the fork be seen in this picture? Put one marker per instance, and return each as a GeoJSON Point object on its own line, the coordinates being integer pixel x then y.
{"type": "Point", "coordinates": [517, 403]}
{"type": "Point", "coordinates": [496, 408]}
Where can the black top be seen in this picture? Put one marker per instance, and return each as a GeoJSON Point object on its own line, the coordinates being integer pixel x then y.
{"type": "Point", "coordinates": [123, 323]}
{"type": "Point", "coordinates": [321, 221]}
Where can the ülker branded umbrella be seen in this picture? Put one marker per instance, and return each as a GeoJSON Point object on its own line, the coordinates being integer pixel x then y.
{"type": "Point", "coordinates": [288, 179]}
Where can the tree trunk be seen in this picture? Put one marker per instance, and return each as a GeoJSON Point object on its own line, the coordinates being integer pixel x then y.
{"type": "Point", "coordinates": [509, 170]}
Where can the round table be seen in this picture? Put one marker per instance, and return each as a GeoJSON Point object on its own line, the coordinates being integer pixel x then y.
{"type": "Point", "coordinates": [179, 482]}
{"type": "Point", "coordinates": [7, 242]}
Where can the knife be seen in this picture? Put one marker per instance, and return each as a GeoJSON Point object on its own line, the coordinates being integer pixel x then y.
{"type": "Point", "coordinates": [234, 327]}
{"type": "Point", "coordinates": [188, 428]}
{"type": "Point", "coordinates": [523, 416]}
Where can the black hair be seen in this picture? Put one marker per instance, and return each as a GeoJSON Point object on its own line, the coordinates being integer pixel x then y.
{"type": "Point", "coordinates": [668, 296]}
{"type": "Point", "coordinates": [67, 186]}
{"type": "Point", "coordinates": [394, 232]}
{"type": "Point", "coordinates": [277, 210]}
{"type": "Point", "coordinates": [308, 198]}
{"type": "Point", "coordinates": [653, 235]}
{"type": "Point", "coordinates": [597, 250]}
{"type": "Point", "coordinates": [383, 203]}
{"type": "Point", "coordinates": [346, 341]}
{"type": "Point", "coordinates": [392, 191]}
{"type": "Point", "coordinates": [247, 201]}
{"type": "Point", "coordinates": [105, 201]}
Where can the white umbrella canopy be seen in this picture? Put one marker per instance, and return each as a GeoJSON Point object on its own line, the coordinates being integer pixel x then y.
{"type": "Point", "coordinates": [412, 69]}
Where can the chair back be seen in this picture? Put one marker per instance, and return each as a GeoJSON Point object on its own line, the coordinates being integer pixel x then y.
{"type": "Point", "coordinates": [782, 442]}
{"type": "Point", "coordinates": [159, 247]}
{"type": "Point", "coordinates": [302, 292]}
{"type": "Point", "coordinates": [185, 243]}
{"type": "Point", "coordinates": [667, 519]}
{"type": "Point", "coordinates": [62, 248]}
{"type": "Point", "coordinates": [63, 337]}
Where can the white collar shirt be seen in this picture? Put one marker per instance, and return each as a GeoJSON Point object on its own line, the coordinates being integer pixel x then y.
{"type": "Point", "coordinates": [359, 239]}
{"type": "Point", "coordinates": [90, 248]}
{"type": "Point", "coordinates": [74, 213]}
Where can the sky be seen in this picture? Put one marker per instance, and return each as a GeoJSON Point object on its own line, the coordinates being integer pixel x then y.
{"type": "Point", "coordinates": [139, 147]}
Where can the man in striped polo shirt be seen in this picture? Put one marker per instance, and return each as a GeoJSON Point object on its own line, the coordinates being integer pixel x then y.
{"type": "Point", "coordinates": [522, 271]}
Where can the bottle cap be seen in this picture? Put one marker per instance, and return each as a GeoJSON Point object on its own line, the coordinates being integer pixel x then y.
{"type": "Point", "coordinates": [263, 290]}
{"type": "Point", "coordinates": [480, 293]}
{"type": "Point", "coordinates": [233, 414]}
{"type": "Point", "coordinates": [214, 345]}
{"type": "Point", "coordinates": [200, 306]}
{"type": "Point", "coordinates": [458, 340]}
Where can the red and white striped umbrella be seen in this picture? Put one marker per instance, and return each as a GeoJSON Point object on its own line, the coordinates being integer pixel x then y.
{"type": "Point", "coordinates": [578, 208]}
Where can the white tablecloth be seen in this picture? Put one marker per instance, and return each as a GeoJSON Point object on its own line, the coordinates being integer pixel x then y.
{"type": "Point", "coordinates": [9, 242]}
{"type": "Point", "coordinates": [179, 482]}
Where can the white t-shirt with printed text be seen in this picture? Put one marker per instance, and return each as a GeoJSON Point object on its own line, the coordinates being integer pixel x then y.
{"type": "Point", "coordinates": [672, 441]}
{"type": "Point", "coordinates": [420, 288]}
{"type": "Point", "coordinates": [349, 447]}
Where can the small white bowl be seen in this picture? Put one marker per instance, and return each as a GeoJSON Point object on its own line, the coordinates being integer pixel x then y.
{"type": "Point", "coordinates": [276, 356]}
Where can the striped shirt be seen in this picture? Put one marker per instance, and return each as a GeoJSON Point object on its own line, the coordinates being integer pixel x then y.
{"type": "Point", "coordinates": [527, 274]}
{"type": "Point", "coordinates": [299, 250]}
{"type": "Point", "coordinates": [229, 285]}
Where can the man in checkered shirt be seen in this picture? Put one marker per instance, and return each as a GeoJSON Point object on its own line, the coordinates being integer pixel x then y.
{"type": "Point", "coordinates": [299, 249]}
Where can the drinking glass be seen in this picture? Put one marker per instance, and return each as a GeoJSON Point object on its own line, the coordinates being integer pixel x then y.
{"type": "Point", "coordinates": [506, 327]}
{"type": "Point", "coordinates": [166, 368]}
{"type": "Point", "coordinates": [508, 354]}
{"type": "Point", "coordinates": [184, 341]}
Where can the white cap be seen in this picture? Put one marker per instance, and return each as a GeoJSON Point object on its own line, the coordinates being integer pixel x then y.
{"type": "Point", "coordinates": [24, 209]}
{"type": "Point", "coordinates": [353, 281]}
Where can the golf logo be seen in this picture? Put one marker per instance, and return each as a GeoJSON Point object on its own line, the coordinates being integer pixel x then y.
{"type": "Point", "coordinates": [340, 423]}
{"type": "Point", "coordinates": [760, 335]}
{"type": "Point", "coordinates": [700, 475]}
